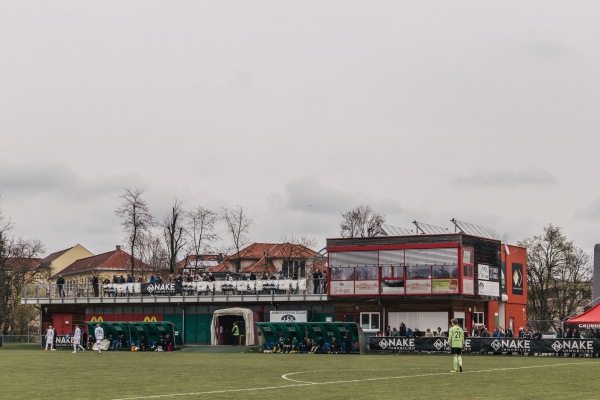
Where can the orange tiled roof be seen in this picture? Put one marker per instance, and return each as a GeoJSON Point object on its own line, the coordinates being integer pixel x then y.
{"type": "Point", "coordinates": [113, 260]}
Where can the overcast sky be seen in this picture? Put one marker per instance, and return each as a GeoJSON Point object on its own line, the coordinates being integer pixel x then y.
{"type": "Point", "coordinates": [483, 111]}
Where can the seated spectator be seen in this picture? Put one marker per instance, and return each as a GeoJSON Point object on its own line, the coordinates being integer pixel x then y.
{"type": "Point", "coordinates": [121, 343]}
{"type": "Point", "coordinates": [428, 333]}
{"type": "Point", "coordinates": [335, 347]}
{"type": "Point", "coordinates": [287, 346]}
{"type": "Point", "coordinates": [160, 344]}
{"type": "Point", "coordinates": [307, 344]}
{"type": "Point", "coordinates": [143, 343]}
{"type": "Point", "coordinates": [169, 343]}
{"type": "Point", "coordinates": [317, 347]}
{"type": "Point", "coordinates": [294, 348]}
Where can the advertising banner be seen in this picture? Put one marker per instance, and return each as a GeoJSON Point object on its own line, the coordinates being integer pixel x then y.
{"type": "Point", "coordinates": [517, 278]}
{"type": "Point", "coordinates": [488, 288]}
{"type": "Point", "coordinates": [366, 287]}
{"type": "Point", "coordinates": [489, 345]}
{"type": "Point", "coordinates": [341, 288]}
{"type": "Point", "coordinates": [418, 286]}
{"type": "Point", "coordinates": [161, 289]}
{"type": "Point", "coordinates": [289, 316]}
{"type": "Point", "coordinates": [444, 286]}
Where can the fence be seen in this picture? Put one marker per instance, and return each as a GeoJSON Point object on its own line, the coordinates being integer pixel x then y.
{"type": "Point", "coordinates": [201, 288]}
{"type": "Point", "coordinates": [14, 339]}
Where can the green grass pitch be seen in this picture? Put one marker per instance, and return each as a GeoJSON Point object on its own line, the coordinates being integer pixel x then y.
{"type": "Point", "coordinates": [29, 373]}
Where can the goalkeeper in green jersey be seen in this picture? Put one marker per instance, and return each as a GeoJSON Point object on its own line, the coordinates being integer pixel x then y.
{"type": "Point", "coordinates": [456, 337]}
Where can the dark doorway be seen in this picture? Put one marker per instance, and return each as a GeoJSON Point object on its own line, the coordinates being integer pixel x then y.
{"type": "Point", "coordinates": [224, 327]}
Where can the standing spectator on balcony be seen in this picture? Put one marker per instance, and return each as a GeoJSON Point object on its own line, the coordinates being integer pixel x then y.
{"type": "Point", "coordinates": [252, 276]}
{"type": "Point", "coordinates": [60, 283]}
{"type": "Point", "coordinates": [95, 285]}
{"type": "Point", "coordinates": [152, 278]}
{"type": "Point", "coordinates": [50, 338]}
{"type": "Point", "coordinates": [211, 278]}
{"type": "Point", "coordinates": [317, 276]}
{"type": "Point", "coordinates": [129, 278]}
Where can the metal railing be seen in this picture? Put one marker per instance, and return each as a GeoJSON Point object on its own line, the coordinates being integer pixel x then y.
{"type": "Point", "coordinates": [165, 289]}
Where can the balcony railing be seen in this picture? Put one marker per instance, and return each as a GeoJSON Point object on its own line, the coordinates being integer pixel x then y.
{"type": "Point", "coordinates": [71, 290]}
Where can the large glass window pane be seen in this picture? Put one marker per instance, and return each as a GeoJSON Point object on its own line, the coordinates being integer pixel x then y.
{"type": "Point", "coordinates": [398, 272]}
{"type": "Point", "coordinates": [393, 257]}
{"type": "Point", "coordinates": [445, 271]}
{"type": "Point", "coordinates": [366, 273]}
{"type": "Point", "coordinates": [386, 272]}
{"type": "Point", "coordinates": [353, 258]}
{"type": "Point", "coordinates": [375, 321]}
{"type": "Point", "coordinates": [342, 274]}
{"type": "Point", "coordinates": [418, 272]}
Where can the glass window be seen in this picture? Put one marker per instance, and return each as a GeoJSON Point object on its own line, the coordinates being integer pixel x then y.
{"type": "Point", "coordinates": [478, 318]}
{"type": "Point", "coordinates": [366, 273]}
{"type": "Point", "coordinates": [467, 256]}
{"type": "Point", "coordinates": [398, 272]}
{"type": "Point", "coordinates": [418, 272]}
{"type": "Point", "coordinates": [445, 271]}
{"type": "Point", "coordinates": [342, 274]}
{"type": "Point", "coordinates": [353, 258]}
{"type": "Point", "coordinates": [369, 321]}
{"type": "Point", "coordinates": [468, 271]}
{"type": "Point", "coordinates": [386, 272]}
{"type": "Point", "coordinates": [395, 257]}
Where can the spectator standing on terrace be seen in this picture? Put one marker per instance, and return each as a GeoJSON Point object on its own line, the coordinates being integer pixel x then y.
{"type": "Point", "coordinates": [95, 285]}
{"type": "Point", "coordinates": [428, 333]}
{"type": "Point", "coordinates": [152, 278]}
{"type": "Point", "coordinates": [317, 276]}
{"type": "Point", "coordinates": [252, 276]}
{"type": "Point", "coordinates": [456, 337]}
{"type": "Point", "coordinates": [211, 278]}
{"type": "Point", "coordinates": [99, 335]}
{"type": "Point", "coordinates": [50, 338]}
{"type": "Point", "coordinates": [60, 283]}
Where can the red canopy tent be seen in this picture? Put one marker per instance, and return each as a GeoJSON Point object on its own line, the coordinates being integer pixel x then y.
{"type": "Point", "coordinates": [589, 319]}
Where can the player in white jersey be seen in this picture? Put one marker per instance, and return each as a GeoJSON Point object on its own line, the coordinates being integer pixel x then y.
{"type": "Point", "coordinates": [99, 335]}
{"type": "Point", "coordinates": [50, 339]}
{"type": "Point", "coordinates": [77, 339]}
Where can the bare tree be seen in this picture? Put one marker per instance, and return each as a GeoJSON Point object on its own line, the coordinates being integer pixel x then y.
{"type": "Point", "coordinates": [237, 225]}
{"type": "Point", "coordinates": [361, 221]}
{"type": "Point", "coordinates": [201, 231]}
{"type": "Point", "coordinates": [174, 233]}
{"type": "Point", "coordinates": [558, 277]}
{"type": "Point", "coordinates": [137, 219]}
{"type": "Point", "coordinates": [152, 253]}
{"type": "Point", "coordinates": [18, 266]}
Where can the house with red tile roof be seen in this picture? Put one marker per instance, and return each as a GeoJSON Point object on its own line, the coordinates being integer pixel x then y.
{"type": "Point", "coordinates": [269, 259]}
{"type": "Point", "coordinates": [105, 265]}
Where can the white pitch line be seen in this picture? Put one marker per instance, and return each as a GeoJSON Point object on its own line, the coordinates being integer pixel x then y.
{"type": "Point", "coordinates": [158, 396]}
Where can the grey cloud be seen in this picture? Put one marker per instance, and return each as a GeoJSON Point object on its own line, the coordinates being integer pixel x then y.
{"type": "Point", "coordinates": [58, 180]}
{"type": "Point", "coordinates": [548, 50]}
{"type": "Point", "coordinates": [591, 211]}
{"type": "Point", "coordinates": [506, 178]}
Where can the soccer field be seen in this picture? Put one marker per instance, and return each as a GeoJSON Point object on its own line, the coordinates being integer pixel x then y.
{"type": "Point", "coordinates": [29, 373]}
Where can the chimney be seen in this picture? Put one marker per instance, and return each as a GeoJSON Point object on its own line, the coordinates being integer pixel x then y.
{"type": "Point", "coordinates": [118, 247]}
